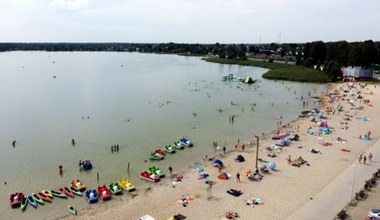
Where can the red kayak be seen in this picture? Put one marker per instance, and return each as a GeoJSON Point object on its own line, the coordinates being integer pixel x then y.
{"type": "Point", "coordinates": [104, 192]}
{"type": "Point", "coordinates": [149, 176]}
{"type": "Point", "coordinates": [44, 197]}
{"type": "Point", "coordinates": [16, 199]}
{"type": "Point", "coordinates": [66, 190]}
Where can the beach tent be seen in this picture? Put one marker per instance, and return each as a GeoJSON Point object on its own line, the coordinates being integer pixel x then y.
{"type": "Point", "coordinates": [223, 176]}
{"type": "Point", "coordinates": [218, 162]}
{"type": "Point", "coordinates": [240, 158]}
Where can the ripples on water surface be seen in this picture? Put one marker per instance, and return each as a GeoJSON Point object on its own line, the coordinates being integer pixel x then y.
{"type": "Point", "coordinates": [138, 101]}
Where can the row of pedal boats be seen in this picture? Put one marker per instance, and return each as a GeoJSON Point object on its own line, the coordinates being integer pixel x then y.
{"type": "Point", "coordinates": [76, 188]}
{"type": "Point", "coordinates": [159, 154]}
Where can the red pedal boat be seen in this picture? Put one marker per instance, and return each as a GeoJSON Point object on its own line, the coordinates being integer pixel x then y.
{"type": "Point", "coordinates": [15, 199]}
{"type": "Point", "coordinates": [104, 192]}
{"type": "Point", "coordinates": [149, 176]}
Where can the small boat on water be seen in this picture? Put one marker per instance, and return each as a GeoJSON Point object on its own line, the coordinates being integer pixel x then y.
{"type": "Point", "coordinates": [37, 198]}
{"type": "Point", "coordinates": [86, 165]}
{"type": "Point", "coordinates": [104, 192]}
{"type": "Point", "coordinates": [66, 190]}
{"type": "Point", "coordinates": [169, 149]}
{"type": "Point", "coordinates": [15, 199]}
{"type": "Point", "coordinates": [91, 196]}
{"type": "Point", "coordinates": [126, 185]}
{"type": "Point", "coordinates": [72, 210]}
{"type": "Point", "coordinates": [78, 185]}
{"type": "Point", "coordinates": [44, 197]}
{"type": "Point", "coordinates": [75, 191]}
{"type": "Point", "coordinates": [186, 142]}
{"type": "Point", "coordinates": [231, 77]}
{"type": "Point", "coordinates": [31, 201]}
{"type": "Point", "coordinates": [156, 171]}
{"type": "Point", "coordinates": [24, 203]}
{"type": "Point", "coordinates": [58, 194]}
{"type": "Point", "coordinates": [115, 189]}
{"type": "Point", "coordinates": [156, 156]}
{"type": "Point", "coordinates": [47, 193]}
{"type": "Point", "coordinates": [178, 145]}
{"type": "Point", "coordinates": [149, 176]}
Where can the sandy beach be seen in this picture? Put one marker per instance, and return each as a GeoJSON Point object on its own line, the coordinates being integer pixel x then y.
{"type": "Point", "coordinates": [282, 191]}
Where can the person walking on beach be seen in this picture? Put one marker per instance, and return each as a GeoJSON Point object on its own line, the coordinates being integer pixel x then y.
{"type": "Point", "coordinates": [171, 170]}
{"type": "Point", "coordinates": [364, 159]}
{"type": "Point", "coordinates": [360, 158]}
{"type": "Point", "coordinates": [238, 177]}
{"type": "Point", "coordinates": [289, 159]}
{"type": "Point", "coordinates": [370, 156]}
{"type": "Point", "coordinates": [224, 149]}
{"type": "Point", "coordinates": [243, 147]}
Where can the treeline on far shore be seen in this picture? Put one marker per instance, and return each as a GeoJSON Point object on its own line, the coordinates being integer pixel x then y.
{"type": "Point", "coordinates": [328, 57]}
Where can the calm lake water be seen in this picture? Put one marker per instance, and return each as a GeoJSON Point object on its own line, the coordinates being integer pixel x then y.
{"type": "Point", "coordinates": [139, 101]}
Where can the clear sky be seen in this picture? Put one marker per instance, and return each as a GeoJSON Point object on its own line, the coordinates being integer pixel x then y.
{"type": "Point", "coordinates": [189, 21]}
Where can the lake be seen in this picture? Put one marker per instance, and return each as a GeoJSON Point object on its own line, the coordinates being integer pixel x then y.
{"type": "Point", "coordinates": [139, 101]}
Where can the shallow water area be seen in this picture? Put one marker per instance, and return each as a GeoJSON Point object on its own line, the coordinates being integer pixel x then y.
{"type": "Point", "coordinates": [139, 101]}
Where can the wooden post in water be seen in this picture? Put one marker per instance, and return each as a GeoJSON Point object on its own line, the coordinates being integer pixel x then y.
{"type": "Point", "coordinates": [128, 166]}
{"type": "Point", "coordinates": [97, 176]}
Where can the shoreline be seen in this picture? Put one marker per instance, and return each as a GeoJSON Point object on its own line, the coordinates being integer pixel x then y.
{"type": "Point", "coordinates": [150, 196]}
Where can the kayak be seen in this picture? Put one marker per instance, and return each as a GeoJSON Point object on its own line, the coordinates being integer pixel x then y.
{"type": "Point", "coordinates": [58, 194]}
{"type": "Point", "coordinates": [37, 198]}
{"type": "Point", "coordinates": [169, 149]}
{"type": "Point", "coordinates": [31, 201]}
{"type": "Point", "coordinates": [44, 197]}
{"type": "Point", "coordinates": [24, 203]}
{"type": "Point", "coordinates": [125, 184]}
{"type": "Point", "coordinates": [66, 190]}
{"type": "Point", "coordinates": [75, 191]}
{"type": "Point", "coordinates": [115, 189]}
{"type": "Point", "coordinates": [156, 171]}
{"type": "Point", "coordinates": [72, 210]}
{"type": "Point", "coordinates": [47, 193]}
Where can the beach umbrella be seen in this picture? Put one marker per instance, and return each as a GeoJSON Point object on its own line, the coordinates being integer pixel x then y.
{"type": "Point", "coordinates": [272, 165]}
{"type": "Point", "coordinates": [217, 161]}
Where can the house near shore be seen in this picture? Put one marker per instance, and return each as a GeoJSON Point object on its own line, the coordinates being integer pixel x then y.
{"type": "Point", "coordinates": [356, 73]}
